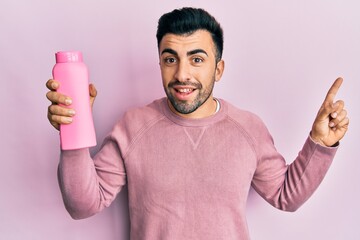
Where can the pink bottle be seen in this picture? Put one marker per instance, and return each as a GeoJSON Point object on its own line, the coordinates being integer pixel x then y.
{"type": "Point", "coordinates": [72, 74]}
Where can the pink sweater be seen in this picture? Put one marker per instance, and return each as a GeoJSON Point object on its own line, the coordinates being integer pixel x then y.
{"type": "Point", "coordinates": [189, 178]}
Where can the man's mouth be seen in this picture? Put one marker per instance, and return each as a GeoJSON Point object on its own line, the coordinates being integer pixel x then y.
{"type": "Point", "coordinates": [184, 93]}
{"type": "Point", "coordinates": [184, 90]}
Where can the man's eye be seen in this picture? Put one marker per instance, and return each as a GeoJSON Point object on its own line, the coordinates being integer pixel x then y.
{"type": "Point", "coordinates": [198, 60]}
{"type": "Point", "coordinates": [170, 60]}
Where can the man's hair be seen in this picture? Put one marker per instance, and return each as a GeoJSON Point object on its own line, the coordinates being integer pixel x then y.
{"type": "Point", "coordinates": [186, 21]}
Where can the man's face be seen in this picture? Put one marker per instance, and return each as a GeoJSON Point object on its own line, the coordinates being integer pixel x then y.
{"type": "Point", "coordinates": [189, 71]}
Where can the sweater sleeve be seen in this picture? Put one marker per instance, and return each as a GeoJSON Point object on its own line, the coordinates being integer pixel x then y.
{"type": "Point", "coordinates": [88, 185]}
{"type": "Point", "coordinates": [284, 186]}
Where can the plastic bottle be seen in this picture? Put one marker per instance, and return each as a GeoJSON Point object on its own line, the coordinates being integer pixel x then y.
{"type": "Point", "coordinates": [72, 74]}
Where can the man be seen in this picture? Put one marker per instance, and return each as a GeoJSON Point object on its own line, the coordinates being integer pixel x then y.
{"type": "Point", "coordinates": [189, 159]}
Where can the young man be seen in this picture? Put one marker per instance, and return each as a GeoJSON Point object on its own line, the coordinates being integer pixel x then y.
{"type": "Point", "coordinates": [189, 159]}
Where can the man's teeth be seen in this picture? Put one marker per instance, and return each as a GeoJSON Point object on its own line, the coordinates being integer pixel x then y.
{"type": "Point", "coordinates": [185, 90]}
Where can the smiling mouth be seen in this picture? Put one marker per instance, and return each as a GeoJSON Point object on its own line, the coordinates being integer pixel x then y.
{"type": "Point", "coordinates": [184, 90]}
{"type": "Point", "coordinates": [184, 93]}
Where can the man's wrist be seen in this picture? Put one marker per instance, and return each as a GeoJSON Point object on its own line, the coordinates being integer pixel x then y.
{"type": "Point", "coordinates": [320, 142]}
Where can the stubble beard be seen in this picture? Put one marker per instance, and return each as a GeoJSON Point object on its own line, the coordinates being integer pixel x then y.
{"type": "Point", "coordinates": [185, 107]}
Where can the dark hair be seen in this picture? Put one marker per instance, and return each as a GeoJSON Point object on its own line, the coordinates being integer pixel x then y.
{"type": "Point", "coordinates": [188, 20]}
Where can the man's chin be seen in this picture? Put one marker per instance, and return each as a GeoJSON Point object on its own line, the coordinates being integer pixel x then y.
{"type": "Point", "coordinates": [183, 107]}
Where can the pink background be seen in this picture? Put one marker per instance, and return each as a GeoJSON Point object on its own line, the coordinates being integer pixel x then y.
{"type": "Point", "coordinates": [281, 58]}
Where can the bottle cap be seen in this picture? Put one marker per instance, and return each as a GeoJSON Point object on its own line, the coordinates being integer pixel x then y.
{"type": "Point", "coordinates": [68, 56]}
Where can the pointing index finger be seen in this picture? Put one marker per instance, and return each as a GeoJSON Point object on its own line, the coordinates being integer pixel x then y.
{"type": "Point", "coordinates": [330, 96]}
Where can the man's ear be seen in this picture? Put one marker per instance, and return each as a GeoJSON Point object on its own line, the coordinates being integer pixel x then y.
{"type": "Point", "coordinates": [219, 70]}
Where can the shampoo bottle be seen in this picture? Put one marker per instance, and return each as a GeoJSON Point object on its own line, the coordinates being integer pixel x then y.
{"type": "Point", "coordinates": [72, 74]}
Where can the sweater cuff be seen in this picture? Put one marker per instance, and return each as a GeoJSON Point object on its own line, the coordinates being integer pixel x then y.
{"type": "Point", "coordinates": [323, 150]}
{"type": "Point", "coordinates": [74, 154]}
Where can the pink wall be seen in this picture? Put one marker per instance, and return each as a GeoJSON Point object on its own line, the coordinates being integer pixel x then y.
{"type": "Point", "coordinates": [281, 57]}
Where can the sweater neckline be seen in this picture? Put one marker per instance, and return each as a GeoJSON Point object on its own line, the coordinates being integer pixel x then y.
{"type": "Point", "coordinates": [193, 122]}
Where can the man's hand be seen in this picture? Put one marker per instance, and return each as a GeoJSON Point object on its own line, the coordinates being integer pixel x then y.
{"type": "Point", "coordinates": [331, 122]}
{"type": "Point", "coordinates": [62, 114]}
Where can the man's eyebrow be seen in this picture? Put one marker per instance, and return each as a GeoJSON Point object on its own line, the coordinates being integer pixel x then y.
{"type": "Point", "coordinates": [169, 50]}
{"type": "Point", "coordinates": [196, 51]}
{"type": "Point", "coordinates": [192, 52]}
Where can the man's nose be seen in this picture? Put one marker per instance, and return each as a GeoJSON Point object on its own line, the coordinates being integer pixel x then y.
{"type": "Point", "coordinates": [183, 72]}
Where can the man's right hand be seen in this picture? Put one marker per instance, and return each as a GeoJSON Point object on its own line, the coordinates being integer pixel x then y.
{"type": "Point", "coordinates": [62, 114]}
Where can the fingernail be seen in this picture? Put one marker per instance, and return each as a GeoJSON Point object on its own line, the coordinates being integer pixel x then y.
{"type": "Point", "coordinates": [54, 85]}
{"type": "Point", "coordinates": [71, 112]}
{"type": "Point", "coordinates": [68, 120]}
{"type": "Point", "coordinates": [68, 101]}
{"type": "Point", "coordinates": [336, 105]}
{"type": "Point", "coordinates": [331, 124]}
{"type": "Point", "coordinates": [334, 115]}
